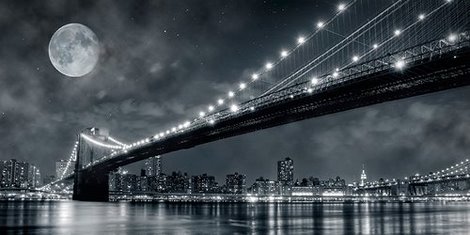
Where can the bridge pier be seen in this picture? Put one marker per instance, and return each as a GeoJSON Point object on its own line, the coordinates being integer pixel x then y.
{"type": "Point", "coordinates": [91, 186]}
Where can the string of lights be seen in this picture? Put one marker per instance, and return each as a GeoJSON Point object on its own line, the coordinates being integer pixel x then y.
{"type": "Point", "coordinates": [72, 157]}
{"type": "Point", "coordinates": [116, 141]}
{"type": "Point", "coordinates": [234, 107]}
{"type": "Point", "coordinates": [210, 116]}
{"type": "Point", "coordinates": [254, 77]}
{"type": "Point", "coordinates": [91, 140]}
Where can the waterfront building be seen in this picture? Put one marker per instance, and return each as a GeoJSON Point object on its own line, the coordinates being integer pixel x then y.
{"type": "Point", "coordinates": [178, 182]}
{"type": "Point", "coordinates": [123, 182]}
{"type": "Point", "coordinates": [235, 183]}
{"type": "Point", "coordinates": [16, 174]}
{"type": "Point", "coordinates": [203, 184]}
{"type": "Point", "coordinates": [264, 186]}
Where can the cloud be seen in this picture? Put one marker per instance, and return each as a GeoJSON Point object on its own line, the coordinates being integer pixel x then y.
{"type": "Point", "coordinates": [163, 61]}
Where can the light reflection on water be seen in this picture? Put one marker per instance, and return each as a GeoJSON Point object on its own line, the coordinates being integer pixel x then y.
{"type": "Point", "coordinates": [71, 217]}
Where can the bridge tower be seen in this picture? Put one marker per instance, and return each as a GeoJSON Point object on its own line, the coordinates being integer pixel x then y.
{"type": "Point", "coordinates": [90, 184]}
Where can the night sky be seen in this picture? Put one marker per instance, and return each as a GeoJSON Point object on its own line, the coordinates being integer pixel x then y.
{"type": "Point", "coordinates": [162, 61]}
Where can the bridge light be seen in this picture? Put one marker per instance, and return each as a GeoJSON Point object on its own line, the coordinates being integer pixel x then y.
{"type": "Point", "coordinates": [186, 124]}
{"type": "Point", "coordinates": [421, 16]}
{"type": "Point", "coordinates": [335, 74]}
{"type": "Point", "coordinates": [180, 126]}
{"type": "Point", "coordinates": [231, 94]}
{"type": "Point", "coordinates": [310, 90]}
{"type": "Point", "coordinates": [211, 121]}
{"type": "Point", "coordinates": [252, 108]}
{"type": "Point", "coordinates": [269, 66]}
{"type": "Point", "coordinates": [167, 132]}
{"type": "Point", "coordinates": [234, 108]}
{"type": "Point", "coordinates": [400, 64]}
{"type": "Point", "coordinates": [220, 101]}
{"type": "Point", "coordinates": [320, 24]}
{"type": "Point", "coordinates": [452, 37]}
{"type": "Point", "coordinates": [375, 46]}
{"type": "Point", "coordinates": [355, 58]}
{"type": "Point", "coordinates": [254, 76]}
{"type": "Point", "coordinates": [284, 53]}
{"type": "Point", "coordinates": [301, 40]}
{"type": "Point", "coordinates": [341, 7]}
{"type": "Point", "coordinates": [314, 80]}
{"type": "Point", "coordinates": [242, 86]}
{"type": "Point", "coordinates": [202, 114]}
{"type": "Point", "coordinates": [210, 108]}
{"type": "Point", "coordinates": [397, 32]}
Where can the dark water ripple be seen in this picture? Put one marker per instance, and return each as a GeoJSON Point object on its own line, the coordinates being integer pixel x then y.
{"type": "Point", "coordinates": [87, 218]}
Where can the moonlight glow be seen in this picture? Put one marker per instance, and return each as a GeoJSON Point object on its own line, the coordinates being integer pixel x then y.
{"type": "Point", "coordinates": [74, 50]}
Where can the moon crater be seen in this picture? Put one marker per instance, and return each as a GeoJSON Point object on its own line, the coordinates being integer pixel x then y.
{"type": "Point", "coordinates": [74, 50]}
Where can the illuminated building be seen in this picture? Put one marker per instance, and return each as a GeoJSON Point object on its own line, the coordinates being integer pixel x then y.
{"type": "Point", "coordinates": [203, 184]}
{"type": "Point", "coordinates": [178, 182]}
{"type": "Point", "coordinates": [235, 183]}
{"type": "Point", "coordinates": [15, 174]}
{"type": "Point", "coordinates": [153, 166]}
{"type": "Point", "coordinates": [285, 175]}
{"type": "Point", "coordinates": [363, 176]}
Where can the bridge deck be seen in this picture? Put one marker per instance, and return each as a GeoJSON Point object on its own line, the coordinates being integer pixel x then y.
{"type": "Point", "coordinates": [444, 71]}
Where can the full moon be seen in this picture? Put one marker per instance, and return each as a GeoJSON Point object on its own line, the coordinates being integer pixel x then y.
{"type": "Point", "coordinates": [74, 50]}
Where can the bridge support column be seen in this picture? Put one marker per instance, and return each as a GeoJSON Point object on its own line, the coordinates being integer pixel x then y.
{"type": "Point", "coordinates": [91, 186]}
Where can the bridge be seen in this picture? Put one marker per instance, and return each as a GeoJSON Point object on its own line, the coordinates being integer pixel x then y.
{"type": "Point", "coordinates": [366, 53]}
{"type": "Point", "coordinates": [451, 180]}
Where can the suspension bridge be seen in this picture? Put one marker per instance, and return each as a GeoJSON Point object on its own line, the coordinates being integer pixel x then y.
{"type": "Point", "coordinates": [366, 53]}
{"type": "Point", "coordinates": [450, 180]}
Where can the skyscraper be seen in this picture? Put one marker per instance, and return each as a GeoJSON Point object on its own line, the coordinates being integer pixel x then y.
{"type": "Point", "coordinates": [153, 166]}
{"type": "Point", "coordinates": [16, 174]}
{"type": "Point", "coordinates": [34, 176]}
{"type": "Point", "coordinates": [363, 176]}
{"type": "Point", "coordinates": [285, 171]}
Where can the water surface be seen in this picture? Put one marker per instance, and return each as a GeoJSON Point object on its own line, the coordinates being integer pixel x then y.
{"type": "Point", "coordinates": [71, 217]}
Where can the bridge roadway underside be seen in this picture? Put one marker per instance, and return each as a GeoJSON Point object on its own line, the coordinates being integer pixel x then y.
{"type": "Point", "coordinates": [441, 73]}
